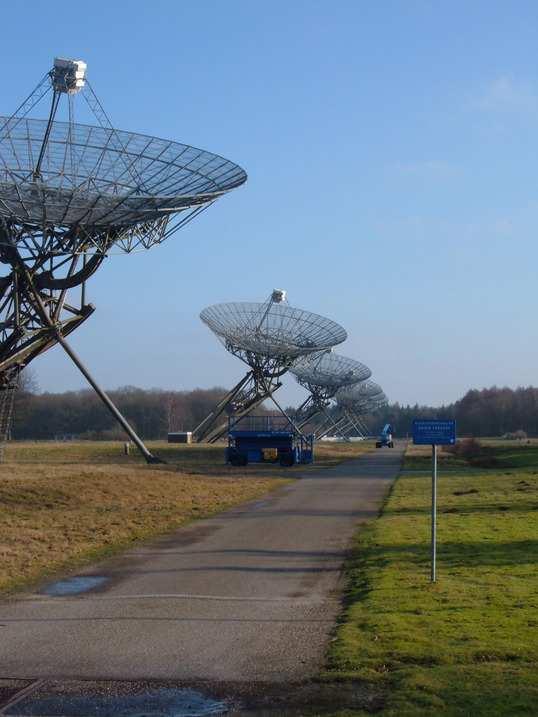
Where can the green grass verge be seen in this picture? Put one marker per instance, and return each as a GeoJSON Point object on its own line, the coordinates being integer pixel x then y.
{"type": "Point", "coordinates": [467, 645]}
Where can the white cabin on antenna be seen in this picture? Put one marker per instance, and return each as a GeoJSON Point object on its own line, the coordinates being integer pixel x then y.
{"type": "Point", "coordinates": [278, 296]}
{"type": "Point", "coordinates": [68, 75]}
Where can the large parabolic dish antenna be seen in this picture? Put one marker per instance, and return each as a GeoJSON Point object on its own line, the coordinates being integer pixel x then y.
{"type": "Point", "coordinates": [354, 402]}
{"type": "Point", "coordinates": [276, 332]}
{"type": "Point", "coordinates": [323, 375]}
{"type": "Point", "coordinates": [118, 188]}
{"type": "Point", "coordinates": [268, 337]}
{"type": "Point", "coordinates": [70, 194]}
{"type": "Point", "coordinates": [353, 395]}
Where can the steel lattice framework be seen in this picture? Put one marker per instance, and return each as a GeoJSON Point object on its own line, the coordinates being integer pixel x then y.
{"type": "Point", "coordinates": [117, 188]}
{"type": "Point", "coordinates": [354, 395]}
{"type": "Point", "coordinates": [269, 337]}
{"type": "Point", "coordinates": [354, 402]}
{"type": "Point", "coordinates": [72, 193]}
{"type": "Point", "coordinates": [323, 374]}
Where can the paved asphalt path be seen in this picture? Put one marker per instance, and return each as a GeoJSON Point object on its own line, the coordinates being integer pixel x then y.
{"type": "Point", "coordinates": [249, 595]}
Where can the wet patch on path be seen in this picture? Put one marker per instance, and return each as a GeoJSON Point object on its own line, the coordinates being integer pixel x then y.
{"type": "Point", "coordinates": [72, 698]}
{"type": "Point", "coordinates": [154, 703]}
{"type": "Point", "coordinates": [76, 585]}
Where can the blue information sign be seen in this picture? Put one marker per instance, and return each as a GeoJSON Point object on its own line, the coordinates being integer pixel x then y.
{"type": "Point", "coordinates": [434, 433]}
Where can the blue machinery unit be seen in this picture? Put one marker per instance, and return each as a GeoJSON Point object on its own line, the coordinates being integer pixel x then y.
{"type": "Point", "coordinates": [267, 439]}
{"type": "Point", "coordinates": [385, 438]}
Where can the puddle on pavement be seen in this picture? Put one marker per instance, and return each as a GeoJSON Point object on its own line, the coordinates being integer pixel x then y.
{"type": "Point", "coordinates": [74, 586]}
{"type": "Point", "coordinates": [159, 703]}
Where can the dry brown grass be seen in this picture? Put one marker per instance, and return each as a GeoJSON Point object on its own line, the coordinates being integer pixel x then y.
{"type": "Point", "coordinates": [419, 457]}
{"type": "Point", "coordinates": [54, 516]}
{"type": "Point", "coordinates": [64, 504]}
{"type": "Point", "coordinates": [197, 458]}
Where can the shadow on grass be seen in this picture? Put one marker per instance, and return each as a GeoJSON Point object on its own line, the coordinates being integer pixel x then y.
{"type": "Point", "coordinates": [460, 554]}
{"type": "Point", "coordinates": [520, 507]}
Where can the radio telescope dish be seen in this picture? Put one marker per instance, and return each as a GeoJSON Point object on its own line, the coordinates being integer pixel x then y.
{"type": "Point", "coordinates": [353, 403]}
{"type": "Point", "coordinates": [269, 337]}
{"type": "Point", "coordinates": [118, 188]}
{"type": "Point", "coordinates": [276, 331]}
{"type": "Point", "coordinates": [353, 395]}
{"type": "Point", "coordinates": [323, 374]}
{"type": "Point", "coordinates": [356, 412]}
{"type": "Point", "coordinates": [329, 371]}
{"type": "Point", "coordinates": [70, 194]}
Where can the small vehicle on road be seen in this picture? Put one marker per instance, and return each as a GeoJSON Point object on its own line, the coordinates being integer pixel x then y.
{"type": "Point", "coordinates": [385, 437]}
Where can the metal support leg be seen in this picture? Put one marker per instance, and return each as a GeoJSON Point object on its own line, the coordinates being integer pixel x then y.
{"type": "Point", "coordinates": [323, 429]}
{"type": "Point", "coordinates": [150, 458]}
{"type": "Point", "coordinates": [433, 576]}
{"type": "Point", "coordinates": [207, 426]}
{"type": "Point", "coordinates": [283, 412]}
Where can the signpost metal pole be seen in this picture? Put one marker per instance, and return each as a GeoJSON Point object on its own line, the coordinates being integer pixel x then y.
{"type": "Point", "coordinates": [434, 433]}
{"type": "Point", "coordinates": [434, 512]}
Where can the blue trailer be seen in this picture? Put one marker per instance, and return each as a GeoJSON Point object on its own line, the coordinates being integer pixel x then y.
{"type": "Point", "coordinates": [267, 439]}
{"type": "Point", "coordinates": [385, 438]}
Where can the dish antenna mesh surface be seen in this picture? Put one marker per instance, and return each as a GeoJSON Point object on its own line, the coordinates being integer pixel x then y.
{"type": "Point", "coordinates": [322, 375]}
{"type": "Point", "coordinates": [354, 402]}
{"type": "Point", "coordinates": [71, 193]}
{"type": "Point", "coordinates": [268, 337]}
{"type": "Point", "coordinates": [354, 395]}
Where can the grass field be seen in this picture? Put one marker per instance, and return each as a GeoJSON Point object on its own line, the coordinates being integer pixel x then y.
{"type": "Point", "coordinates": [419, 458]}
{"type": "Point", "coordinates": [495, 452]}
{"type": "Point", "coordinates": [64, 504]}
{"type": "Point", "coordinates": [467, 645]}
{"type": "Point", "coordinates": [197, 458]}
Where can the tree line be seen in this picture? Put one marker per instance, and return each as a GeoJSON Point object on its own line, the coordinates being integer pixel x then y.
{"type": "Point", "coordinates": [81, 414]}
{"type": "Point", "coordinates": [154, 412]}
{"type": "Point", "coordinates": [488, 412]}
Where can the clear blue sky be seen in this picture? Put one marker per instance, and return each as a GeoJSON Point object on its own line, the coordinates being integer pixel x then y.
{"type": "Point", "coordinates": [393, 182]}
